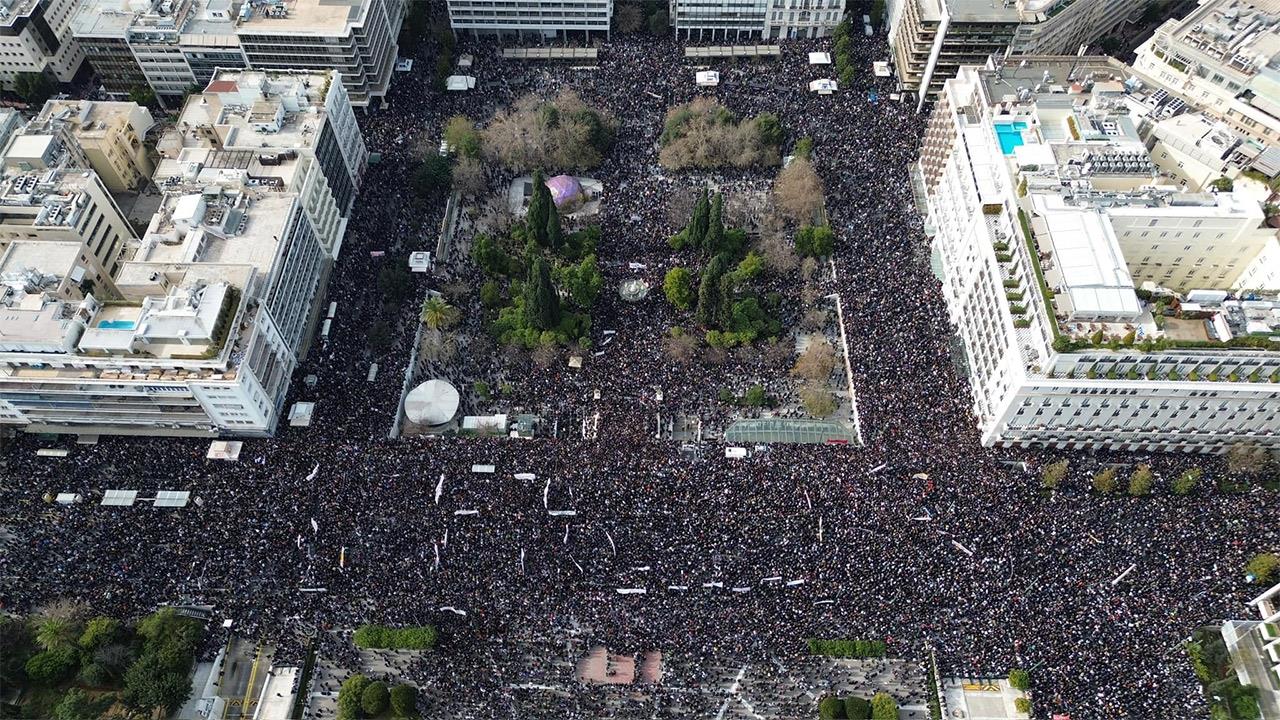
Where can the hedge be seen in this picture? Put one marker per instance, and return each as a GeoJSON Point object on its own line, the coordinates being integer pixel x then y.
{"type": "Point", "coordinates": [380, 637]}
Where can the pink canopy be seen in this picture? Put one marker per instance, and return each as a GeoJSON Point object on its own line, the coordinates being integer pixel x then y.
{"type": "Point", "coordinates": [566, 191]}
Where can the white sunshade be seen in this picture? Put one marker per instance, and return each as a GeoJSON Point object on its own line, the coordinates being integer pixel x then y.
{"type": "Point", "coordinates": [460, 82]}
{"type": "Point", "coordinates": [300, 414]}
{"type": "Point", "coordinates": [172, 498]}
{"type": "Point", "coordinates": [1092, 266]}
{"type": "Point", "coordinates": [224, 450]}
{"type": "Point", "coordinates": [67, 498]}
{"type": "Point", "coordinates": [483, 469]}
{"type": "Point", "coordinates": [119, 498]}
{"type": "Point", "coordinates": [819, 58]}
{"type": "Point", "coordinates": [708, 78]}
{"type": "Point", "coordinates": [824, 87]}
{"type": "Point", "coordinates": [881, 68]}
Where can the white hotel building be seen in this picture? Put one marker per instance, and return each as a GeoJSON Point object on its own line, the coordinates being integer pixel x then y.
{"type": "Point", "coordinates": [1114, 316]}
{"type": "Point", "coordinates": [199, 326]}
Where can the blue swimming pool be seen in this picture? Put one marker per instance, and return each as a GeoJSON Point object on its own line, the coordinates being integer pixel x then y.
{"type": "Point", "coordinates": [1010, 135]}
{"type": "Point", "coordinates": [116, 325]}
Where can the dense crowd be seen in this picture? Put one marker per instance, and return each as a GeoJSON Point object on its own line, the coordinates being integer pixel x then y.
{"type": "Point", "coordinates": [738, 558]}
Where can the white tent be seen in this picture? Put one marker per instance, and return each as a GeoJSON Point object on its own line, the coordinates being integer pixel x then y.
{"type": "Point", "coordinates": [823, 87]}
{"type": "Point", "coordinates": [819, 58]}
{"type": "Point", "coordinates": [881, 68]}
{"type": "Point", "coordinates": [434, 402]}
{"type": "Point", "coordinates": [460, 82]}
{"type": "Point", "coordinates": [300, 414]}
{"type": "Point", "coordinates": [119, 498]}
{"type": "Point", "coordinates": [708, 78]}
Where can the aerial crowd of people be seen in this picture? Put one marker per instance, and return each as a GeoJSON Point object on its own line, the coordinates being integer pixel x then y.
{"type": "Point", "coordinates": [739, 559]}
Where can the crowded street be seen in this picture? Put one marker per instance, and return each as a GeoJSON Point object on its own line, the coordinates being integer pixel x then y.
{"type": "Point", "coordinates": [741, 560]}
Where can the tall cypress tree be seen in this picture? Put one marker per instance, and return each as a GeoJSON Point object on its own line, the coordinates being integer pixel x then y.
{"type": "Point", "coordinates": [536, 219]}
{"type": "Point", "coordinates": [715, 225]}
{"type": "Point", "coordinates": [709, 290]}
{"type": "Point", "coordinates": [698, 223]}
{"type": "Point", "coordinates": [554, 236]}
{"type": "Point", "coordinates": [541, 304]}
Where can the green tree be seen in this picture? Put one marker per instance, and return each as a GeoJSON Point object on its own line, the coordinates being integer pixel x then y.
{"type": "Point", "coordinates": [142, 95]}
{"type": "Point", "coordinates": [883, 707]}
{"type": "Point", "coordinates": [1187, 481]}
{"type": "Point", "coordinates": [490, 294]}
{"type": "Point", "coordinates": [34, 87]}
{"type": "Point", "coordinates": [697, 228]}
{"type": "Point", "coordinates": [659, 21]}
{"type": "Point", "coordinates": [815, 241]}
{"type": "Point", "coordinates": [755, 396]}
{"type": "Point", "coordinates": [1262, 567]}
{"type": "Point", "coordinates": [541, 304]}
{"type": "Point", "coordinates": [804, 151]}
{"type": "Point", "coordinates": [1110, 45]}
{"type": "Point", "coordinates": [769, 129]}
{"type": "Point", "coordinates": [16, 647]}
{"type": "Point", "coordinates": [1053, 474]}
{"type": "Point", "coordinates": [714, 241]}
{"type": "Point", "coordinates": [374, 698]}
{"type": "Point", "coordinates": [349, 697]}
{"type": "Point", "coordinates": [708, 289]}
{"type": "Point", "coordinates": [437, 314]}
{"type": "Point", "coordinates": [1141, 480]}
{"type": "Point", "coordinates": [152, 683]}
{"type": "Point", "coordinates": [461, 136]}
{"type": "Point", "coordinates": [1022, 705]}
{"type": "Point", "coordinates": [404, 701]}
{"type": "Point", "coordinates": [433, 177]}
{"type": "Point", "coordinates": [52, 666]}
{"type": "Point", "coordinates": [77, 705]}
{"type": "Point", "coordinates": [1020, 679]}
{"type": "Point", "coordinates": [582, 282]}
{"type": "Point", "coordinates": [1223, 184]}
{"type": "Point", "coordinates": [489, 255]}
{"type": "Point", "coordinates": [1105, 481]}
{"type": "Point", "coordinates": [677, 285]}
{"type": "Point", "coordinates": [98, 632]}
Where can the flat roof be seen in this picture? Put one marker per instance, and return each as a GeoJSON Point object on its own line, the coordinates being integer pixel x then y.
{"type": "Point", "coordinates": [1088, 257]}
{"type": "Point", "coordinates": [320, 17]}
{"type": "Point", "coordinates": [49, 257]}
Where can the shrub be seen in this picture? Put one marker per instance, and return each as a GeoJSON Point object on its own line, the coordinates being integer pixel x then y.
{"type": "Point", "coordinates": [1262, 567]}
{"type": "Point", "coordinates": [350, 695]}
{"type": "Point", "coordinates": [1022, 705]}
{"type": "Point", "coordinates": [384, 638]}
{"type": "Point", "coordinates": [847, 648]}
{"type": "Point", "coordinates": [1105, 481]}
{"type": "Point", "coordinates": [374, 698]}
{"type": "Point", "coordinates": [856, 708]}
{"type": "Point", "coordinates": [677, 285]}
{"type": "Point", "coordinates": [830, 708]}
{"type": "Point", "coordinates": [1020, 679]}
{"type": "Point", "coordinates": [883, 707]}
{"type": "Point", "coordinates": [1053, 474]}
{"type": "Point", "coordinates": [1141, 480]}
{"type": "Point", "coordinates": [1187, 481]}
{"type": "Point", "coordinates": [98, 632]}
{"type": "Point", "coordinates": [52, 666]}
{"type": "Point", "coordinates": [404, 701]}
{"type": "Point", "coordinates": [814, 241]}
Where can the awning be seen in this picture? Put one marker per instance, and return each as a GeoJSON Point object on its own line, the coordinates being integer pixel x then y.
{"type": "Point", "coordinates": [819, 58]}
{"type": "Point", "coordinates": [224, 450]}
{"type": "Point", "coordinates": [824, 87]}
{"type": "Point", "coordinates": [459, 82]}
{"type": "Point", "coordinates": [708, 78]}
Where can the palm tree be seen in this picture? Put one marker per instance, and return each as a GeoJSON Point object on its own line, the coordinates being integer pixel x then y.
{"type": "Point", "coordinates": [437, 313]}
{"type": "Point", "coordinates": [56, 632]}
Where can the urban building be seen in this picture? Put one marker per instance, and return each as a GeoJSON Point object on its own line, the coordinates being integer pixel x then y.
{"type": "Point", "coordinates": [174, 46]}
{"type": "Point", "coordinates": [543, 19]}
{"type": "Point", "coordinates": [198, 326]}
{"type": "Point", "coordinates": [1254, 647]}
{"type": "Point", "coordinates": [1095, 301]}
{"type": "Point", "coordinates": [734, 20]}
{"type": "Point", "coordinates": [1199, 150]}
{"type": "Point", "coordinates": [10, 121]}
{"type": "Point", "coordinates": [108, 137]}
{"type": "Point", "coordinates": [931, 40]}
{"type": "Point", "coordinates": [1223, 58]}
{"type": "Point", "coordinates": [35, 37]}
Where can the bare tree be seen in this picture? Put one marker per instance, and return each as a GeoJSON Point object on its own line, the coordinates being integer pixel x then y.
{"type": "Point", "coordinates": [778, 255]}
{"type": "Point", "coordinates": [817, 401]}
{"type": "Point", "coordinates": [798, 191]}
{"type": "Point", "coordinates": [629, 17]}
{"type": "Point", "coordinates": [62, 609]}
{"type": "Point", "coordinates": [680, 346]}
{"type": "Point", "coordinates": [514, 355]}
{"type": "Point", "coordinates": [558, 133]}
{"type": "Point", "coordinates": [746, 355]}
{"type": "Point", "coordinates": [815, 319]}
{"type": "Point", "coordinates": [714, 356]}
{"type": "Point", "coordinates": [468, 177]}
{"type": "Point", "coordinates": [545, 355]}
{"type": "Point", "coordinates": [779, 354]}
{"type": "Point", "coordinates": [439, 347]}
{"type": "Point", "coordinates": [1246, 458]}
{"type": "Point", "coordinates": [816, 362]}
{"type": "Point", "coordinates": [808, 268]}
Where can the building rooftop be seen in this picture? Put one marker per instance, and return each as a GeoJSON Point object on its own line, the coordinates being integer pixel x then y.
{"type": "Point", "coordinates": [56, 195]}
{"type": "Point", "coordinates": [1240, 35]}
{"type": "Point", "coordinates": [252, 110]}
{"type": "Point", "coordinates": [17, 9]}
{"type": "Point", "coordinates": [313, 17]}
{"type": "Point", "coordinates": [93, 119]}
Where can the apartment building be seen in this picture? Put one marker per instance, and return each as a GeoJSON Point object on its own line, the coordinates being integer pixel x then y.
{"type": "Point", "coordinates": [1094, 299]}
{"type": "Point", "coordinates": [35, 37]}
{"type": "Point", "coordinates": [1222, 58]}
{"type": "Point", "coordinates": [173, 46]}
{"type": "Point", "coordinates": [10, 122]}
{"type": "Point", "coordinates": [930, 40]}
{"type": "Point", "coordinates": [1254, 647]}
{"type": "Point", "coordinates": [541, 19]}
{"type": "Point", "coordinates": [109, 135]}
{"type": "Point", "coordinates": [199, 326]}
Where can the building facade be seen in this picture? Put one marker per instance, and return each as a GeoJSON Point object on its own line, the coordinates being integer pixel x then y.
{"type": "Point", "coordinates": [1223, 58]}
{"type": "Point", "coordinates": [734, 20]}
{"type": "Point", "coordinates": [175, 46]}
{"type": "Point", "coordinates": [1038, 228]}
{"type": "Point", "coordinates": [544, 19]}
{"type": "Point", "coordinates": [35, 37]}
{"type": "Point", "coordinates": [199, 324]}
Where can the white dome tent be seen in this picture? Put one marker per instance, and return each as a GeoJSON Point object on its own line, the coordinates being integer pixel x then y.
{"type": "Point", "coordinates": [434, 402]}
